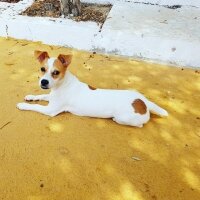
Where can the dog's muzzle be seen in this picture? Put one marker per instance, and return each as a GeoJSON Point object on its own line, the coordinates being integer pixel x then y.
{"type": "Point", "coordinates": [44, 84]}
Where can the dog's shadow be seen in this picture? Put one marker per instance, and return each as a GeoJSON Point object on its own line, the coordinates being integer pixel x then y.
{"type": "Point", "coordinates": [154, 116]}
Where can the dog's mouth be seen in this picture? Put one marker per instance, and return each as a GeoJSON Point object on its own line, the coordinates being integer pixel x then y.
{"type": "Point", "coordinates": [44, 87]}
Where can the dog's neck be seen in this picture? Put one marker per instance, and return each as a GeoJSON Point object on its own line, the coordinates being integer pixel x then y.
{"type": "Point", "coordinates": [68, 80]}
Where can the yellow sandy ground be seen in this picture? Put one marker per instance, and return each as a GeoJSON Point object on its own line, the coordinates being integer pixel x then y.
{"type": "Point", "coordinates": [77, 158]}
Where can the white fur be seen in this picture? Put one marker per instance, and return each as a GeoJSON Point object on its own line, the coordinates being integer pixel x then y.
{"type": "Point", "coordinates": [71, 95]}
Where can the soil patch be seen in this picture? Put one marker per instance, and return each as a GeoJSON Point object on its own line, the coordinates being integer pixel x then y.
{"type": "Point", "coordinates": [51, 8]}
{"type": "Point", "coordinates": [81, 158]}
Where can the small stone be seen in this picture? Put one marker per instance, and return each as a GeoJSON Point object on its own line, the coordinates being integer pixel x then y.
{"type": "Point", "coordinates": [136, 158]}
{"type": "Point", "coordinates": [196, 71]}
{"type": "Point", "coordinates": [174, 49]}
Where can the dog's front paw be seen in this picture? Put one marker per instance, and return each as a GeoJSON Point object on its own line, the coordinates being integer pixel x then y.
{"type": "Point", "coordinates": [29, 98]}
{"type": "Point", "coordinates": [23, 106]}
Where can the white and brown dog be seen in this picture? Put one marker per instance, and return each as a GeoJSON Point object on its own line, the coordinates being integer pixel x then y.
{"type": "Point", "coordinates": [68, 94]}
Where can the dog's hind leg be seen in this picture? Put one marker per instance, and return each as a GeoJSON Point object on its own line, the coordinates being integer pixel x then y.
{"type": "Point", "coordinates": [42, 97]}
{"type": "Point", "coordinates": [128, 120]}
{"type": "Point", "coordinates": [132, 119]}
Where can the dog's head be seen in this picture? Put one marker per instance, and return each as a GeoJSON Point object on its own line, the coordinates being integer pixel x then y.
{"type": "Point", "coordinates": [53, 69]}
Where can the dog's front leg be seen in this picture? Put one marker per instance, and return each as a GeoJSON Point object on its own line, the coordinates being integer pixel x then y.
{"type": "Point", "coordinates": [46, 110]}
{"type": "Point", "coordinates": [42, 97]}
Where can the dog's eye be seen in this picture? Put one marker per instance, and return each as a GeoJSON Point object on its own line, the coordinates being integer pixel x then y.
{"type": "Point", "coordinates": [56, 72]}
{"type": "Point", "coordinates": [43, 69]}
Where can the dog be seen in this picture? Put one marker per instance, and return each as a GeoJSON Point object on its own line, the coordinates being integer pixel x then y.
{"type": "Point", "coordinates": [68, 94]}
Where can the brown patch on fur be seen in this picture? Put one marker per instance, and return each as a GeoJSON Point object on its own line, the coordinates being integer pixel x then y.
{"type": "Point", "coordinates": [92, 88]}
{"type": "Point", "coordinates": [139, 106]}
{"type": "Point", "coordinates": [60, 67]}
{"type": "Point", "coordinates": [44, 64]}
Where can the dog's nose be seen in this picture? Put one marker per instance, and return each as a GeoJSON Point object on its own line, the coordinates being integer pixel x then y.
{"type": "Point", "coordinates": [44, 82]}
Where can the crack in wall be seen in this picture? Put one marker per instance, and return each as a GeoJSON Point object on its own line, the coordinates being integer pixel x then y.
{"type": "Point", "coordinates": [6, 30]}
{"type": "Point", "coordinates": [155, 4]}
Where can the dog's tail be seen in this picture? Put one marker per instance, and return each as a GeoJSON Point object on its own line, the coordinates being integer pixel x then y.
{"type": "Point", "coordinates": [155, 109]}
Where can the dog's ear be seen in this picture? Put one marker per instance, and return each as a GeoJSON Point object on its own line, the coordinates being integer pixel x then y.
{"type": "Point", "coordinates": [41, 55]}
{"type": "Point", "coordinates": [65, 59]}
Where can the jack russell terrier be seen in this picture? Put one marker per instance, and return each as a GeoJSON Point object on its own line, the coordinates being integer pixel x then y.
{"type": "Point", "coordinates": [68, 94]}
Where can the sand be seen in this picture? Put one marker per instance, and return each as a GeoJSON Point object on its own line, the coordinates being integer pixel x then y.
{"type": "Point", "coordinates": [78, 158]}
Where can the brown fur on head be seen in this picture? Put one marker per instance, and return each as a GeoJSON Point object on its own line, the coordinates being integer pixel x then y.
{"type": "Point", "coordinates": [61, 64]}
{"type": "Point", "coordinates": [41, 56]}
{"type": "Point", "coordinates": [53, 69]}
{"type": "Point", "coordinates": [65, 59]}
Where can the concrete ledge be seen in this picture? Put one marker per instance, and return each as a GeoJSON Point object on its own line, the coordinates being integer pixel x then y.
{"type": "Point", "coordinates": [192, 3]}
{"type": "Point", "coordinates": [134, 29]}
{"type": "Point", "coordinates": [153, 32]}
{"type": "Point", "coordinates": [63, 32]}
